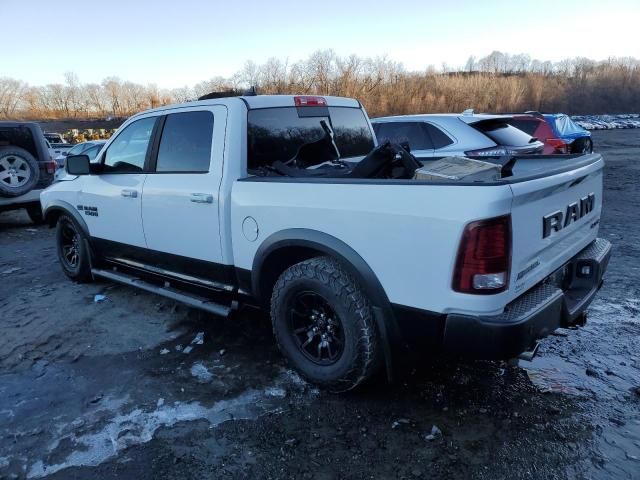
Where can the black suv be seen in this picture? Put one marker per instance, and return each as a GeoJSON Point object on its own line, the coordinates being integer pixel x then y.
{"type": "Point", "coordinates": [25, 165]}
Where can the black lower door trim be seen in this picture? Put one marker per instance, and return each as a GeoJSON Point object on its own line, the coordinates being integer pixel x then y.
{"type": "Point", "coordinates": [209, 274]}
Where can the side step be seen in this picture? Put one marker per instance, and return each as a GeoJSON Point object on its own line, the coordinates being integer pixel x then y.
{"type": "Point", "coordinates": [192, 300]}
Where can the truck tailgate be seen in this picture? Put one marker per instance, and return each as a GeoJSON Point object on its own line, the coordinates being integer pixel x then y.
{"type": "Point", "coordinates": [553, 218]}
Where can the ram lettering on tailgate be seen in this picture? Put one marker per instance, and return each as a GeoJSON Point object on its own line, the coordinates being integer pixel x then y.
{"type": "Point", "coordinates": [553, 222]}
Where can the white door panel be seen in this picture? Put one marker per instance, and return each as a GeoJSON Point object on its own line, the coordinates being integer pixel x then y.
{"type": "Point", "coordinates": [116, 200]}
{"type": "Point", "coordinates": [180, 213]}
{"type": "Point", "coordinates": [180, 210]}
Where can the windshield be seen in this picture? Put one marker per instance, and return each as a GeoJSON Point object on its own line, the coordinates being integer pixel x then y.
{"type": "Point", "coordinates": [277, 133]}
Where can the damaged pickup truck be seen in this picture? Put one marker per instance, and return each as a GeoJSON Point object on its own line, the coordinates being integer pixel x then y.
{"type": "Point", "coordinates": [288, 204]}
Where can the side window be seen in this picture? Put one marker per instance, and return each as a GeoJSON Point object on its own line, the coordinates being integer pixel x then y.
{"type": "Point", "coordinates": [438, 137]}
{"type": "Point", "coordinates": [128, 151]}
{"type": "Point", "coordinates": [92, 152]}
{"type": "Point", "coordinates": [185, 145]}
{"type": "Point", "coordinates": [414, 133]}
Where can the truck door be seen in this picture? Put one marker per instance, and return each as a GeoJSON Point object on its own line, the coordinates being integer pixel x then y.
{"type": "Point", "coordinates": [110, 199]}
{"type": "Point", "coordinates": [180, 199]}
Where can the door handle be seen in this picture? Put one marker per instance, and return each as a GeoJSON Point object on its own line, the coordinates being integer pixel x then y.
{"type": "Point", "coordinates": [129, 193]}
{"type": "Point", "coordinates": [201, 198]}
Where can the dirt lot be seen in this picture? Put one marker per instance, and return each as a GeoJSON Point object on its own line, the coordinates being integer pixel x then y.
{"type": "Point", "coordinates": [136, 386]}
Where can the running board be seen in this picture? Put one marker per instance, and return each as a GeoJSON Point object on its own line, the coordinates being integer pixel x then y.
{"type": "Point", "coordinates": [192, 300]}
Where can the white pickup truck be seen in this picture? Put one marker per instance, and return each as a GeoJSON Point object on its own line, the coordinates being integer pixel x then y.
{"type": "Point", "coordinates": [201, 203]}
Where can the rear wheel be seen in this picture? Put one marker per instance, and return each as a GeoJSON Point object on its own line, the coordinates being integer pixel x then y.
{"type": "Point", "coordinates": [19, 171]}
{"type": "Point", "coordinates": [73, 251]}
{"type": "Point", "coordinates": [323, 323]}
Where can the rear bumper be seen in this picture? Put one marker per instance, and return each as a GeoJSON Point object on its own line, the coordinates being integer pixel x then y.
{"type": "Point", "coordinates": [534, 315]}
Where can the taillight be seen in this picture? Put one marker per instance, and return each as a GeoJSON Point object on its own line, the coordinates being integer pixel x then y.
{"type": "Point", "coordinates": [488, 152]}
{"type": "Point", "coordinates": [558, 144]}
{"type": "Point", "coordinates": [309, 101]}
{"type": "Point", "coordinates": [484, 257]}
{"type": "Point", "coordinates": [51, 166]}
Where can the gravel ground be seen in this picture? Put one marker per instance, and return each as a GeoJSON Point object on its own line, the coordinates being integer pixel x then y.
{"type": "Point", "coordinates": [136, 386]}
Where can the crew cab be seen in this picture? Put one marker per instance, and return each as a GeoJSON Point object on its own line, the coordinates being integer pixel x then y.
{"type": "Point", "coordinates": [272, 201]}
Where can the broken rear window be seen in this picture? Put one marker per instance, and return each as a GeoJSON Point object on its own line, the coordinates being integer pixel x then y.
{"type": "Point", "coordinates": [277, 133]}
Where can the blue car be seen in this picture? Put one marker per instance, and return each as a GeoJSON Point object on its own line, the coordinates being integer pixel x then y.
{"type": "Point", "coordinates": [577, 138]}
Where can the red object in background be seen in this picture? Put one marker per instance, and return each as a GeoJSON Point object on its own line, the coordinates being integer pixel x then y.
{"type": "Point", "coordinates": [537, 126]}
{"type": "Point", "coordinates": [309, 101]}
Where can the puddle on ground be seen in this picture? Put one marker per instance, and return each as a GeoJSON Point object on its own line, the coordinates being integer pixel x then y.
{"type": "Point", "coordinates": [606, 373]}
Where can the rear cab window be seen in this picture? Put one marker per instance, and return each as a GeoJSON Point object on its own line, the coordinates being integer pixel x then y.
{"type": "Point", "coordinates": [276, 134]}
{"type": "Point", "coordinates": [502, 133]}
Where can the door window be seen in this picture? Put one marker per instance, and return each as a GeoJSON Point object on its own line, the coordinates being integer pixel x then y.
{"type": "Point", "coordinates": [186, 143]}
{"type": "Point", "coordinates": [128, 151]}
{"type": "Point", "coordinates": [438, 137]}
{"type": "Point", "coordinates": [413, 133]}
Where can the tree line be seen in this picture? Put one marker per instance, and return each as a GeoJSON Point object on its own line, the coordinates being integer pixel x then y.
{"type": "Point", "coordinates": [498, 82]}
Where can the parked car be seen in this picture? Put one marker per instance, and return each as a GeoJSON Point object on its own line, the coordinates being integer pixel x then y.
{"type": "Point", "coordinates": [537, 126]}
{"type": "Point", "coordinates": [54, 138]}
{"type": "Point", "coordinates": [467, 134]}
{"type": "Point", "coordinates": [575, 137]}
{"type": "Point", "coordinates": [90, 148]}
{"type": "Point", "coordinates": [26, 167]}
{"type": "Point", "coordinates": [279, 202]}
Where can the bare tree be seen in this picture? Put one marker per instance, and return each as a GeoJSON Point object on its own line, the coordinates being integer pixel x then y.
{"type": "Point", "coordinates": [498, 81]}
{"type": "Point", "coordinates": [11, 92]}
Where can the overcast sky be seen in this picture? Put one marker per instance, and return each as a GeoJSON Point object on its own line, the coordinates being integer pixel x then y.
{"type": "Point", "coordinates": [181, 42]}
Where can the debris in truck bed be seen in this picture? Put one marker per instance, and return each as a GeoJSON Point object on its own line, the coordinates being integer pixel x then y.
{"type": "Point", "coordinates": [459, 169]}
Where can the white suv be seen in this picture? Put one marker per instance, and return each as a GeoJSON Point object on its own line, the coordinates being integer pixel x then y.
{"type": "Point", "coordinates": [466, 134]}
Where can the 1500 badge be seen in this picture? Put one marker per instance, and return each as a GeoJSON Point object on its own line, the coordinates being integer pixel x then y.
{"type": "Point", "coordinates": [556, 221]}
{"type": "Point", "coordinates": [91, 211]}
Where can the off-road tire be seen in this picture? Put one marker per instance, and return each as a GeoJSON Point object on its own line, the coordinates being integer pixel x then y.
{"type": "Point", "coordinates": [80, 269]}
{"type": "Point", "coordinates": [19, 171]}
{"type": "Point", "coordinates": [327, 278]}
{"type": "Point", "coordinates": [35, 214]}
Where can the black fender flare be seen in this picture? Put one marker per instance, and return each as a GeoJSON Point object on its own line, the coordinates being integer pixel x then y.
{"type": "Point", "coordinates": [352, 261]}
{"type": "Point", "coordinates": [65, 207]}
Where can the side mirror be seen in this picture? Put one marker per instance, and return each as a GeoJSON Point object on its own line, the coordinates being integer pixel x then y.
{"type": "Point", "coordinates": [77, 165]}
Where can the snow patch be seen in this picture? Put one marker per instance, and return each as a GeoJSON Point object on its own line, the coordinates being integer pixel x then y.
{"type": "Point", "coordinates": [138, 426]}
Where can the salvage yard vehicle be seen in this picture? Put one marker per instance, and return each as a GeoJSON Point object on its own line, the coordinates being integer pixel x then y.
{"type": "Point", "coordinates": [286, 203]}
{"type": "Point", "coordinates": [577, 138]}
{"type": "Point", "coordinates": [466, 134]}
{"type": "Point", "coordinates": [90, 148]}
{"type": "Point", "coordinates": [26, 167]}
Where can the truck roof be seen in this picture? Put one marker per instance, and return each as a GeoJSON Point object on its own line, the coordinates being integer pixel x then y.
{"type": "Point", "coordinates": [257, 101]}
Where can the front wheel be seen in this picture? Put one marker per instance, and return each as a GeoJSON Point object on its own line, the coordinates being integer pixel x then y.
{"type": "Point", "coordinates": [73, 251]}
{"type": "Point", "coordinates": [323, 323]}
